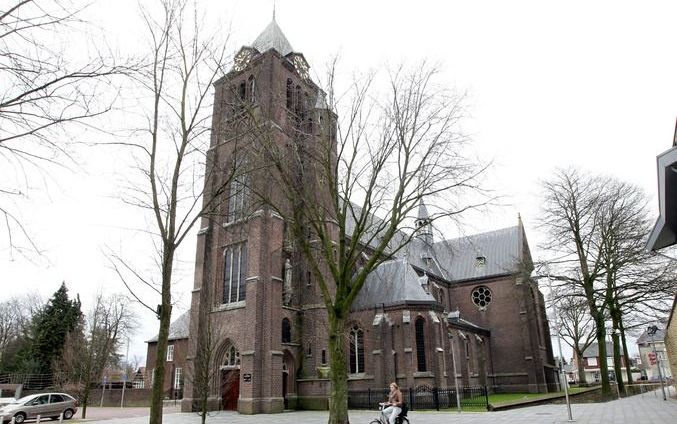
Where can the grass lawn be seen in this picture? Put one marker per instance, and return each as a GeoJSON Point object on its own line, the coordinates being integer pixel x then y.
{"type": "Point", "coordinates": [501, 398]}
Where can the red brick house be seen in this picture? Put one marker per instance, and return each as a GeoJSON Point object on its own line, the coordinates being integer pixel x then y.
{"type": "Point", "coordinates": [175, 368]}
{"type": "Point", "coordinates": [591, 363]}
{"type": "Point", "coordinates": [467, 304]}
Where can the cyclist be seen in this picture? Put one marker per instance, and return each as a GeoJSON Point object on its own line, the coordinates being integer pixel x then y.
{"type": "Point", "coordinates": [394, 404]}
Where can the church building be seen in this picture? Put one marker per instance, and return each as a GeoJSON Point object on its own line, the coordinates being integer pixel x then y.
{"type": "Point", "coordinates": [457, 310]}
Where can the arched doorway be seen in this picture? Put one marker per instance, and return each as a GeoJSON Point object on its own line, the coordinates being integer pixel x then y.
{"type": "Point", "coordinates": [288, 381]}
{"type": "Point", "coordinates": [230, 378]}
{"type": "Point", "coordinates": [285, 383]}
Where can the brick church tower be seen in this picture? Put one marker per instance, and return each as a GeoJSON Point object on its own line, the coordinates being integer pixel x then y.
{"type": "Point", "coordinates": [258, 327]}
{"type": "Point", "coordinates": [252, 294]}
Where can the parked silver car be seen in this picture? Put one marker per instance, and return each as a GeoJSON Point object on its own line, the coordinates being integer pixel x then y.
{"type": "Point", "coordinates": [47, 405]}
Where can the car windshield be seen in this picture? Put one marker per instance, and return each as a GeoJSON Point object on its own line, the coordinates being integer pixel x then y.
{"type": "Point", "coordinates": [24, 399]}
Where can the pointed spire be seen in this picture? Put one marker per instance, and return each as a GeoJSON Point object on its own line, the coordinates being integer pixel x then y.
{"type": "Point", "coordinates": [425, 231]}
{"type": "Point", "coordinates": [272, 38]}
{"type": "Point", "coordinates": [273, 9]}
{"type": "Point", "coordinates": [423, 215]}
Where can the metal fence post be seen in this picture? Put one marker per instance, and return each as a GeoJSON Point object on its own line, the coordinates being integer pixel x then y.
{"type": "Point", "coordinates": [436, 398]}
{"type": "Point", "coordinates": [486, 396]}
{"type": "Point", "coordinates": [411, 400]}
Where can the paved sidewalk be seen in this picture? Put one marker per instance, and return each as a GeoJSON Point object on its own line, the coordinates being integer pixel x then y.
{"type": "Point", "coordinates": [648, 408]}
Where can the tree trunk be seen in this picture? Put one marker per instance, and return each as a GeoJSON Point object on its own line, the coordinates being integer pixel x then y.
{"type": "Point", "coordinates": [157, 394]}
{"type": "Point", "coordinates": [338, 402]}
{"type": "Point", "coordinates": [601, 344]}
{"type": "Point", "coordinates": [581, 368]}
{"type": "Point", "coordinates": [617, 362]}
{"type": "Point", "coordinates": [85, 401]}
{"type": "Point", "coordinates": [628, 367]}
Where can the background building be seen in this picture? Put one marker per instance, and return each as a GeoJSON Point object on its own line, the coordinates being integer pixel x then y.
{"type": "Point", "coordinates": [652, 354]}
{"type": "Point", "coordinates": [175, 369]}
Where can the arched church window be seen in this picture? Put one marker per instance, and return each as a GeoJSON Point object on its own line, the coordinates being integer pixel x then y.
{"type": "Point", "coordinates": [298, 100]}
{"type": "Point", "coordinates": [234, 272]}
{"type": "Point", "coordinates": [356, 350]}
{"type": "Point", "coordinates": [481, 297]}
{"type": "Point", "coordinates": [232, 357]}
{"type": "Point", "coordinates": [251, 87]}
{"type": "Point", "coordinates": [420, 344]}
{"type": "Point", "coordinates": [286, 331]}
{"type": "Point", "coordinates": [309, 125]}
{"type": "Point", "coordinates": [290, 93]}
{"type": "Point", "coordinates": [238, 192]}
{"type": "Point", "coordinates": [243, 91]}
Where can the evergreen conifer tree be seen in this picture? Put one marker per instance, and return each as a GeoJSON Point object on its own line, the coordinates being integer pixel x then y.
{"type": "Point", "coordinates": [51, 327]}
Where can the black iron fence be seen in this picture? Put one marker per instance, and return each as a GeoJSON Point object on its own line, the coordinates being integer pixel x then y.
{"type": "Point", "coordinates": [424, 397]}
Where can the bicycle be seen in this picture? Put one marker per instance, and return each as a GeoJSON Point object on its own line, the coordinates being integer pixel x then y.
{"type": "Point", "coordinates": [382, 419]}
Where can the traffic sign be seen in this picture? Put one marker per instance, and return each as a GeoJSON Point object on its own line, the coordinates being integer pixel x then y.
{"type": "Point", "coordinates": [652, 358]}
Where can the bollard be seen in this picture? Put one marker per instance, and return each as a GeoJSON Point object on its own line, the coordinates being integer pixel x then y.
{"type": "Point", "coordinates": [37, 419]}
{"type": "Point", "coordinates": [61, 417]}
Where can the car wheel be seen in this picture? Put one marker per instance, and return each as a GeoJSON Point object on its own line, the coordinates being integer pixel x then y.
{"type": "Point", "coordinates": [67, 414]}
{"type": "Point", "coordinates": [19, 418]}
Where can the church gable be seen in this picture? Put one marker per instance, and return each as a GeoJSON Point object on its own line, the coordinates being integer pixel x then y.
{"type": "Point", "coordinates": [479, 256]}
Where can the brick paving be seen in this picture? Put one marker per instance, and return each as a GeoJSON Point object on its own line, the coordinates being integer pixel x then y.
{"type": "Point", "coordinates": [648, 408]}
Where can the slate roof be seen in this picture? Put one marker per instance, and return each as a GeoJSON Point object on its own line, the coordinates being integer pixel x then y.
{"type": "Point", "coordinates": [391, 283]}
{"type": "Point", "coordinates": [593, 350]}
{"type": "Point", "coordinates": [177, 329]}
{"type": "Point", "coordinates": [504, 250]}
{"type": "Point", "coordinates": [272, 38]}
{"type": "Point", "coordinates": [645, 338]}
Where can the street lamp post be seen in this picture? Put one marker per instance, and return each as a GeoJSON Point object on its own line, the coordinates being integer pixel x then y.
{"type": "Point", "coordinates": [453, 360]}
{"type": "Point", "coordinates": [562, 377]}
{"type": "Point", "coordinates": [652, 331]}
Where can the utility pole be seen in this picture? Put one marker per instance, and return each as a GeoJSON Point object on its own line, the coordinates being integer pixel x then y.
{"type": "Point", "coordinates": [562, 376]}
{"type": "Point", "coordinates": [124, 376]}
{"type": "Point", "coordinates": [453, 360]}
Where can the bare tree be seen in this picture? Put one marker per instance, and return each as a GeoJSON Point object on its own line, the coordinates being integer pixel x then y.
{"type": "Point", "coordinates": [575, 324]}
{"type": "Point", "coordinates": [634, 279]}
{"type": "Point", "coordinates": [44, 92]}
{"type": "Point", "coordinates": [350, 179]}
{"type": "Point", "coordinates": [204, 374]}
{"type": "Point", "coordinates": [572, 215]}
{"type": "Point", "coordinates": [109, 322]}
{"type": "Point", "coordinates": [16, 315]}
{"type": "Point", "coordinates": [599, 226]}
{"type": "Point", "coordinates": [184, 64]}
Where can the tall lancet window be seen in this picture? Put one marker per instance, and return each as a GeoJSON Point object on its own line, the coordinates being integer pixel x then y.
{"type": "Point", "coordinates": [238, 192]}
{"type": "Point", "coordinates": [420, 344]}
{"type": "Point", "coordinates": [234, 272]}
{"type": "Point", "coordinates": [356, 350]}
{"type": "Point", "coordinates": [251, 88]}
{"type": "Point", "coordinates": [290, 94]}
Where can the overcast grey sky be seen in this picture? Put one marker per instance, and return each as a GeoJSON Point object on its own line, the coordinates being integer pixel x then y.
{"type": "Point", "coordinates": [576, 83]}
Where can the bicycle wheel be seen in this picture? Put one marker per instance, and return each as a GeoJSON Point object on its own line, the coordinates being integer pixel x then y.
{"type": "Point", "coordinates": [405, 420]}
{"type": "Point", "coordinates": [375, 422]}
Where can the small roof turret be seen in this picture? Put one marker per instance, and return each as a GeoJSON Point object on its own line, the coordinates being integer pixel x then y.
{"type": "Point", "coordinates": [272, 38]}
